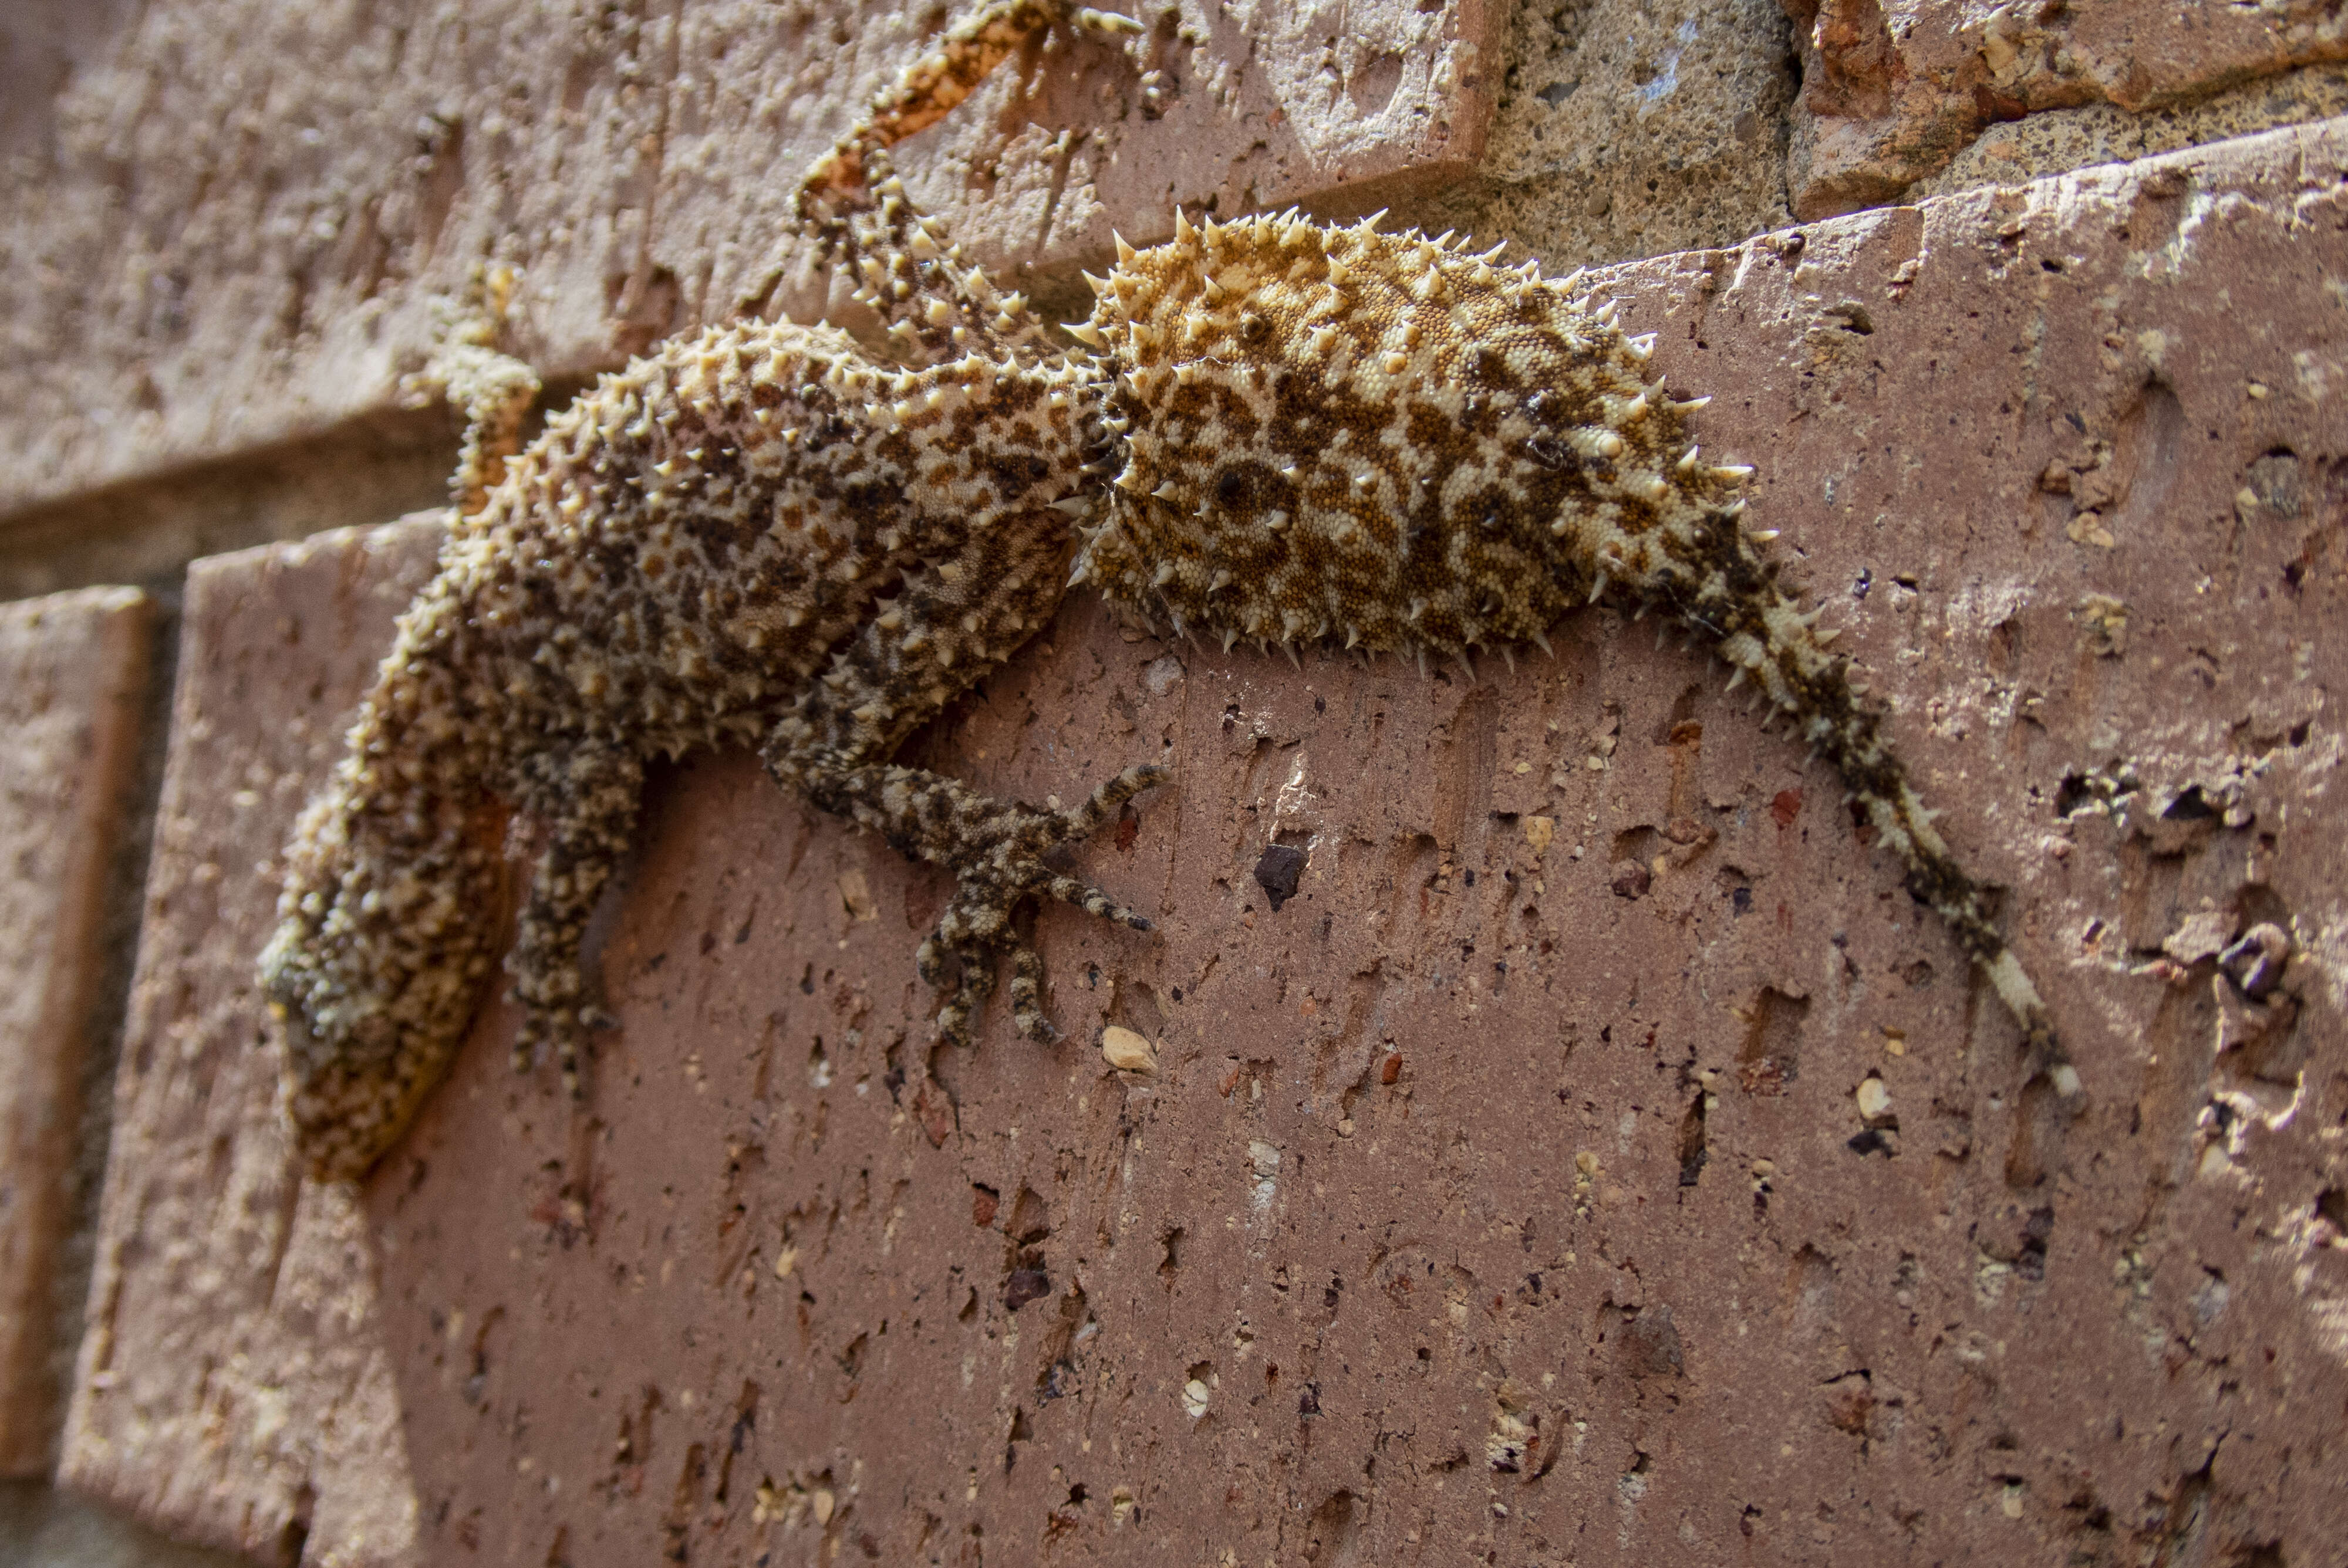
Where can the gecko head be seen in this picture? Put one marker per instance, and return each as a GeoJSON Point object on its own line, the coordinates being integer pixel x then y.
{"type": "Point", "coordinates": [1379, 441]}
{"type": "Point", "coordinates": [350, 1079]}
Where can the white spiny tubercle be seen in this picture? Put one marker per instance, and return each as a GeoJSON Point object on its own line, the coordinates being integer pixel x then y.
{"type": "Point", "coordinates": [1107, 22]}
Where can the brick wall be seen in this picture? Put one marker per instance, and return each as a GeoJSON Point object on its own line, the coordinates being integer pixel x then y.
{"type": "Point", "coordinates": [1596, 1158]}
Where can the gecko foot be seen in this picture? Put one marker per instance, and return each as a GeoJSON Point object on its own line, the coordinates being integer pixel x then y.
{"type": "Point", "coordinates": [1000, 863]}
{"type": "Point", "coordinates": [563, 1029]}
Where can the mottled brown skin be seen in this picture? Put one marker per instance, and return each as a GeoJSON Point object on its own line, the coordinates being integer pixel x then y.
{"type": "Point", "coordinates": [1384, 442]}
{"type": "Point", "coordinates": [767, 536]}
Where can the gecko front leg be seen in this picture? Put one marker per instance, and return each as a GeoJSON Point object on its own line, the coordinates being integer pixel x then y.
{"type": "Point", "coordinates": [588, 797]}
{"type": "Point", "coordinates": [492, 389]}
{"type": "Point", "coordinates": [953, 620]}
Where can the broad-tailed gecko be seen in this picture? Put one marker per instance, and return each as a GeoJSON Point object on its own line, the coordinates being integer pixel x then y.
{"type": "Point", "coordinates": [771, 535]}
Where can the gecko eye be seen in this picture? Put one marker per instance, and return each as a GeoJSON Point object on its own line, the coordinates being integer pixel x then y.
{"type": "Point", "coordinates": [1230, 489]}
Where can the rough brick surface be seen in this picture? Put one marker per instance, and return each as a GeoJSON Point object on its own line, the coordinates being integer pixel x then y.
{"type": "Point", "coordinates": [43, 1528]}
{"type": "Point", "coordinates": [307, 176]}
{"type": "Point", "coordinates": [1890, 94]}
{"type": "Point", "coordinates": [231, 1388]}
{"type": "Point", "coordinates": [2055, 140]}
{"type": "Point", "coordinates": [1598, 1157]}
{"type": "Point", "coordinates": [73, 669]}
{"type": "Point", "coordinates": [1628, 128]}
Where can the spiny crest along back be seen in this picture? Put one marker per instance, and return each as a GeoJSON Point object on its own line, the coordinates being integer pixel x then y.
{"type": "Point", "coordinates": [1382, 440]}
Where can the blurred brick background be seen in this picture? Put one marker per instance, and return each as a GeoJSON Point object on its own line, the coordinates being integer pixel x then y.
{"type": "Point", "coordinates": [1596, 1159]}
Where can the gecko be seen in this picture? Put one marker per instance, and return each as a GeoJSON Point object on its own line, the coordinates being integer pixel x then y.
{"type": "Point", "coordinates": [777, 536]}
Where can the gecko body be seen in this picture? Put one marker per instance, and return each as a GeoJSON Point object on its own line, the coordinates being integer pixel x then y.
{"type": "Point", "coordinates": [770, 534]}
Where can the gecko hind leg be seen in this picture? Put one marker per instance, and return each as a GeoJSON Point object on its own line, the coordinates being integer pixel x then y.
{"type": "Point", "coordinates": [591, 797]}
{"type": "Point", "coordinates": [975, 982]}
{"type": "Point", "coordinates": [855, 209]}
{"type": "Point", "coordinates": [934, 306]}
{"type": "Point", "coordinates": [932, 86]}
{"type": "Point", "coordinates": [997, 851]}
{"type": "Point", "coordinates": [972, 980]}
{"type": "Point", "coordinates": [953, 620]}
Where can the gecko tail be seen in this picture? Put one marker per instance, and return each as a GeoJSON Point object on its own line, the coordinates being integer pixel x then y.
{"type": "Point", "coordinates": [1770, 639]}
{"type": "Point", "coordinates": [2014, 987]}
{"type": "Point", "coordinates": [2039, 1045]}
{"type": "Point", "coordinates": [1935, 877]}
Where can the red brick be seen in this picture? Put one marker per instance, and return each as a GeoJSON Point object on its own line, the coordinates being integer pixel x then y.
{"type": "Point", "coordinates": [1474, 1211]}
{"type": "Point", "coordinates": [1888, 99]}
{"type": "Point", "coordinates": [73, 669]}
{"type": "Point", "coordinates": [273, 271]}
{"type": "Point", "coordinates": [231, 1387]}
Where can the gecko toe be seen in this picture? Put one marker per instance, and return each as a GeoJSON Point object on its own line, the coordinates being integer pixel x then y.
{"type": "Point", "coordinates": [1028, 996]}
{"type": "Point", "coordinates": [1083, 820]}
{"type": "Point", "coordinates": [1092, 901]}
{"type": "Point", "coordinates": [973, 986]}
